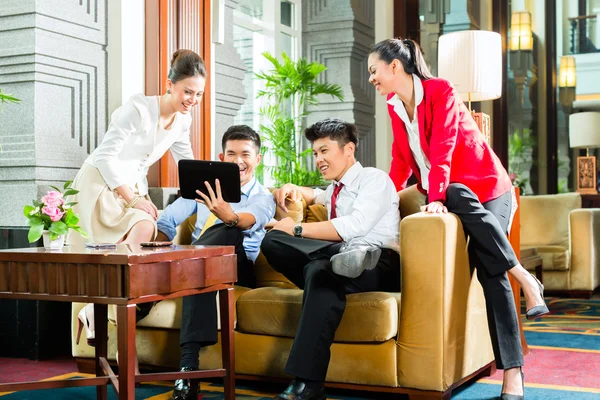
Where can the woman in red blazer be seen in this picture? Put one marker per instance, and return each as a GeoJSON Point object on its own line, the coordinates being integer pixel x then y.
{"type": "Point", "coordinates": [436, 138]}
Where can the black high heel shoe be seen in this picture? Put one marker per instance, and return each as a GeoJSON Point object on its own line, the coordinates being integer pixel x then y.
{"type": "Point", "coordinates": [506, 396]}
{"type": "Point", "coordinates": [542, 309]}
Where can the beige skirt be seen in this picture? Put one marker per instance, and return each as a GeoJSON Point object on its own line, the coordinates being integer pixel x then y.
{"type": "Point", "coordinates": [102, 212]}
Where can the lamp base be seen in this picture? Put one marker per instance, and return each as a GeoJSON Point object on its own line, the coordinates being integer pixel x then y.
{"type": "Point", "coordinates": [586, 175]}
{"type": "Point", "coordinates": [483, 123]}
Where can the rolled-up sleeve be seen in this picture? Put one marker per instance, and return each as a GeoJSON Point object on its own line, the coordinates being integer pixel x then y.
{"type": "Point", "coordinates": [320, 196]}
{"type": "Point", "coordinates": [262, 207]}
{"type": "Point", "coordinates": [125, 121]}
{"type": "Point", "coordinates": [376, 194]}
{"type": "Point", "coordinates": [175, 213]}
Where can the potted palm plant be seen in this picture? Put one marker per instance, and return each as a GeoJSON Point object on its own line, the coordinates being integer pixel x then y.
{"type": "Point", "coordinates": [289, 88]}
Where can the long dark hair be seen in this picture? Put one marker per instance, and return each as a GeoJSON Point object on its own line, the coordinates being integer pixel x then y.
{"type": "Point", "coordinates": [407, 51]}
{"type": "Point", "coordinates": [184, 64]}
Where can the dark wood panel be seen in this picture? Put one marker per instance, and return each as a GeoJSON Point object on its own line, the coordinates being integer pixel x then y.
{"type": "Point", "coordinates": [551, 98]}
{"type": "Point", "coordinates": [500, 106]}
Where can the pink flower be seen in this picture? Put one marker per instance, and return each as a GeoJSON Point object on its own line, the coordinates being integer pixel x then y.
{"type": "Point", "coordinates": [53, 199]}
{"type": "Point", "coordinates": [53, 212]}
{"type": "Point", "coordinates": [512, 177]}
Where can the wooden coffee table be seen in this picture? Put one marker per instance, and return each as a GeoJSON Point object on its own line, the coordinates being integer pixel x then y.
{"type": "Point", "coordinates": [124, 276]}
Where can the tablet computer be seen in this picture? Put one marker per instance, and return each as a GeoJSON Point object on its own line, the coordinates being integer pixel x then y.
{"type": "Point", "coordinates": [193, 173]}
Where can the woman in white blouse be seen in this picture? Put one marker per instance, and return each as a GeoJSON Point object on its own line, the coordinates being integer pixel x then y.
{"type": "Point", "coordinates": [113, 202]}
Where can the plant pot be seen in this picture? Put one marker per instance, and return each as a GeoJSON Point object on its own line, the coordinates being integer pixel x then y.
{"type": "Point", "coordinates": [55, 244]}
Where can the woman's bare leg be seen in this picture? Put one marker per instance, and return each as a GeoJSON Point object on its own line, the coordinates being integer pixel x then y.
{"type": "Point", "coordinates": [142, 231]}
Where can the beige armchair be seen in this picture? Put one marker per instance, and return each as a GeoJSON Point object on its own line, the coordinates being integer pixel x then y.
{"type": "Point", "coordinates": [567, 237]}
{"type": "Point", "coordinates": [424, 342]}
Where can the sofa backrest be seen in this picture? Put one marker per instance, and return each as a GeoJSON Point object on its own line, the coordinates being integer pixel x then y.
{"type": "Point", "coordinates": [545, 219]}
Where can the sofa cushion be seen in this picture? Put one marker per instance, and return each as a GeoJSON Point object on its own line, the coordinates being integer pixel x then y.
{"type": "Point", "coordinates": [316, 213]}
{"type": "Point", "coordinates": [555, 258]}
{"type": "Point", "coordinates": [166, 314]}
{"type": "Point", "coordinates": [369, 317]}
{"type": "Point", "coordinates": [410, 201]}
{"type": "Point", "coordinates": [545, 219]}
{"type": "Point", "coordinates": [267, 276]}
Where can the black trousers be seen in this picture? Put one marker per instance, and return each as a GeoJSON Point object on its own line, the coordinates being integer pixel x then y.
{"type": "Point", "coordinates": [306, 263]}
{"type": "Point", "coordinates": [199, 313]}
{"type": "Point", "coordinates": [492, 255]}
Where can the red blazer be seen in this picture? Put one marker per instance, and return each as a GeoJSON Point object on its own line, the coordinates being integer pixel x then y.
{"type": "Point", "coordinates": [451, 140]}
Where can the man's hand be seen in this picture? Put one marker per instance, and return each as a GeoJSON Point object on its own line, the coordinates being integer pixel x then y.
{"type": "Point", "coordinates": [289, 190]}
{"type": "Point", "coordinates": [286, 225]}
{"type": "Point", "coordinates": [435, 207]}
{"type": "Point", "coordinates": [216, 204]}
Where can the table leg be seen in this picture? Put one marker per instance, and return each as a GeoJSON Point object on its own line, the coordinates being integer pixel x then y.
{"type": "Point", "coordinates": [226, 302]}
{"type": "Point", "coordinates": [100, 323]}
{"type": "Point", "coordinates": [126, 359]}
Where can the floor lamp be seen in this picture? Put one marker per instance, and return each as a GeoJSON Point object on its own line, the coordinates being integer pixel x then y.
{"type": "Point", "coordinates": [472, 62]}
{"type": "Point", "coordinates": [584, 133]}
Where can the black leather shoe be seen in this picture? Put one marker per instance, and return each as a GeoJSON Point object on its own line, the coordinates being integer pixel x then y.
{"type": "Point", "coordinates": [539, 310]}
{"type": "Point", "coordinates": [186, 389]}
{"type": "Point", "coordinates": [298, 391]}
{"type": "Point", "coordinates": [506, 396]}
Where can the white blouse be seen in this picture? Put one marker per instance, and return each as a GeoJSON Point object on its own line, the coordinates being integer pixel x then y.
{"type": "Point", "coordinates": [135, 140]}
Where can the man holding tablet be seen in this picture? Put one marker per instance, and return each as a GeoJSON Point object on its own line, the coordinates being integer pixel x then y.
{"type": "Point", "coordinates": [219, 223]}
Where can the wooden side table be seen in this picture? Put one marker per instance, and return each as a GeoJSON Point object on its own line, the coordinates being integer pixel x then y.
{"type": "Point", "coordinates": [124, 277]}
{"type": "Point", "coordinates": [590, 200]}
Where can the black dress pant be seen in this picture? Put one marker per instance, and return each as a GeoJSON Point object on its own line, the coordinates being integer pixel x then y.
{"type": "Point", "coordinates": [306, 263]}
{"type": "Point", "coordinates": [492, 255]}
{"type": "Point", "coordinates": [199, 313]}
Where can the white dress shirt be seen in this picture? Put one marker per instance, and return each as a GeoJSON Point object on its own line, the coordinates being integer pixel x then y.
{"type": "Point", "coordinates": [366, 208]}
{"type": "Point", "coordinates": [135, 140]}
{"type": "Point", "coordinates": [412, 129]}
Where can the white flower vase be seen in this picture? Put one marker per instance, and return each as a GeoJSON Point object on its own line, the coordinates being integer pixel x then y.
{"type": "Point", "coordinates": [55, 244]}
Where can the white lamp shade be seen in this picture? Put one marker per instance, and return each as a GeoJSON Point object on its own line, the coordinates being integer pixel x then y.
{"type": "Point", "coordinates": [567, 73]}
{"type": "Point", "coordinates": [472, 62]}
{"type": "Point", "coordinates": [584, 129]}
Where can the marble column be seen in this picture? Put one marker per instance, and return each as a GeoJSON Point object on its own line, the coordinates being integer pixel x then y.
{"type": "Point", "coordinates": [54, 59]}
{"type": "Point", "coordinates": [338, 33]}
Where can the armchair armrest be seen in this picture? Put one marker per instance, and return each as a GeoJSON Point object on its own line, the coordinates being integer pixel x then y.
{"type": "Point", "coordinates": [584, 243]}
{"type": "Point", "coordinates": [443, 324]}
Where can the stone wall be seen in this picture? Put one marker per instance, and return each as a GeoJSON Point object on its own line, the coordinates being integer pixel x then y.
{"type": "Point", "coordinates": [53, 57]}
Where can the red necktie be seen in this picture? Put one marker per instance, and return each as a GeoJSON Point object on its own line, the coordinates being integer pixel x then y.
{"type": "Point", "coordinates": [334, 196]}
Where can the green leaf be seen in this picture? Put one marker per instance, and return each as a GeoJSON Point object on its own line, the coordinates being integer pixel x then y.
{"type": "Point", "coordinates": [70, 192]}
{"type": "Point", "coordinates": [67, 184]}
{"type": "Point", "coordinates": [35, 220]}
{"type": "Point", "coordinates": [35, 232]}
{"type": "Point", "coordinates": [71, 218]}
{"type": "Point", "coordinates": [70, 204]}
{"type": "Point", "coordinates": [58, 227]}
{"type": "Point", "coordinates": [81, 231]}
{"type": "Point", "coordinates": [27, 210]}
{"type": "Point", "coordinates": [55, 188]}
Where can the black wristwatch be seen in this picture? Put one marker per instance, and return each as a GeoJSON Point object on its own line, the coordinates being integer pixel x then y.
{"type": "Point", "coordinates": [234, 223]}
{"type": "Point", "coordinates": [298, 229]}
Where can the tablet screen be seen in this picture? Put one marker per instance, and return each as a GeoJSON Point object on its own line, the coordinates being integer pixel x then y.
{"type": "Point", "coordinates": [193, 173]}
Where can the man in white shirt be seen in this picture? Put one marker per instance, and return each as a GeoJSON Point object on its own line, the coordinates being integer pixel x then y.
{"type": "Point", "coordinates": [362, 206]}
{"type": "Point", "coordinates": [241, 225]}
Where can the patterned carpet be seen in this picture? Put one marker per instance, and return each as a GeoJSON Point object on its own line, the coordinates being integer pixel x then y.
{"type": "Point", "coordinates": [564, 364]}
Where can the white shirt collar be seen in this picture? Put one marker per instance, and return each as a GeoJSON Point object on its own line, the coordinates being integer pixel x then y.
{"type": "Point", "coordinates": [418, 87]}
{"type": "Point", "coordinates": [350, 174]}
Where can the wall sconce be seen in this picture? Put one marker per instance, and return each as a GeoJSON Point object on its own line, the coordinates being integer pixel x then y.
{"type": "Point", "coordinates": [567, 81]}
{"type": "Point", "coordinates": [521, 37]}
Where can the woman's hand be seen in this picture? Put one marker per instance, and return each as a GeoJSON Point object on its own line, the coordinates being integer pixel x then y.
{"type": "Point", "coordinates": [148, 206]}
{"type": "Point", "coordinates": [435, 207]}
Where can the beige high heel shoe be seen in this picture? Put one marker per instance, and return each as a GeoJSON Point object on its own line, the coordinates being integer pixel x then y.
{"type": "Point", "coordinates": [86, 318]}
